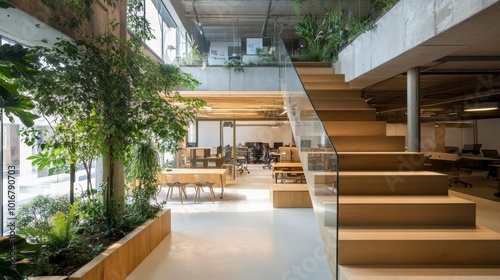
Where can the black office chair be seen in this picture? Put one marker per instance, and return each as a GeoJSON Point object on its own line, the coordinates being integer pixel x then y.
{"type": "Point", "coordinates": [266, 159]}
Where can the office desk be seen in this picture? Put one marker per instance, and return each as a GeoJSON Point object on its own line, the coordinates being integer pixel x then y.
{"type": "Point", "coordinates": [189, 175]}
{"type": "Point", "coordinates": [217, 160]}
{"type": "Point", "coordinates": [295, 166]}
{"type": "Point", "coordinates": [479, 162]}
{"type": "Point", "coordinates": [498, 181]}
{"type": "Point", "coordinates": [197, 154]}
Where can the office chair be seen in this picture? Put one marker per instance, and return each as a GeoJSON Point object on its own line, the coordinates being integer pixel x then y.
{"type": "Point", "coordinates": [266, 158]}
{"type": "Point", "coordinates": [460, 167]}
{"type": "Point", "coordinates": [242, 160]}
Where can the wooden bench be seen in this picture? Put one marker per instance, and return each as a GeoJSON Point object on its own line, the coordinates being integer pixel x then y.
{"type": "Point", "coordinates": [290, 196]}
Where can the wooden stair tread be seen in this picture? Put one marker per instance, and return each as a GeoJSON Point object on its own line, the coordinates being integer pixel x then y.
{"type": "Point", "coordinates": [379, 153]}
{"type": "Point", "coordinates": [359, 272]}
{"type": "Point", "coordinates": [299, 64]}
{"type": "Point", "coordinates": [354, 199]}
{"type": "Point", "coordinates": [347, 109]}
{"type": "Point", "coordinates": [390, 173]}
{"type": "Point", "coordinates": [315, 71]}
{"type": "Point", "coordinates": [289, 187]}
{"type": "Point", "coordinates": [393, 234]}
{"type": "Point", "coordinates": [321, 77]}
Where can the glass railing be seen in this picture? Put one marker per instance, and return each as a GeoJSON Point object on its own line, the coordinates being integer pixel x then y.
{"type": "Point", "coordinates": [317, 155]}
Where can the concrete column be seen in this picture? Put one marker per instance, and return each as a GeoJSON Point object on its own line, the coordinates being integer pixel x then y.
{"type": "Point", "coordinates": [413, 109]}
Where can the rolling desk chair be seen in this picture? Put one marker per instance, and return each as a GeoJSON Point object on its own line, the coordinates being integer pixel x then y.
{"type": "Point", "coordinates": [454, 162]}
{"type": "Point", "coordinates": [266, 158]}
{"type": "Point", "coordinates": [242, 160]}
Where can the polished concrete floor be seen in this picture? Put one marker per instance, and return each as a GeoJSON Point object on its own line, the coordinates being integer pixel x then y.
{"type": "Point", "coordinates": [237, 238]}
{"type": "Point", "coordinates": [242, 237]}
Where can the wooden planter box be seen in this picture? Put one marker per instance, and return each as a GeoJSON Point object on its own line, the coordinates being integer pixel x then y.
{"type": "Point", "coordinates": [121, 258]}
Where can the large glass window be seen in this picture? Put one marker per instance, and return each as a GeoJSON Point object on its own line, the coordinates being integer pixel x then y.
{"type": "Point", "coordinates": [155, 23]}
{"type": "Point", "coordinates": [166, 44]}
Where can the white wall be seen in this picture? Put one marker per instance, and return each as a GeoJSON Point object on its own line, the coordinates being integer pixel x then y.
{"type": "Point", "coordinates": [488, 132]}
{"type": "Point", "coordinates": [208, 133]}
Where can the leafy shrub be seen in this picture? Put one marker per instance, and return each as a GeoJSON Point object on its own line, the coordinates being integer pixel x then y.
{"type": "Point", "coordinates": [33, 218]}
{"type": "Point", "coordinates": [236, 64]}
{"type": "Point", "coordinates": [64, 251]}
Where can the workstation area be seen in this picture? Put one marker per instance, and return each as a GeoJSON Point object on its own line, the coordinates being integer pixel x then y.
{"type": "Point", "coordinates": [459, 164]}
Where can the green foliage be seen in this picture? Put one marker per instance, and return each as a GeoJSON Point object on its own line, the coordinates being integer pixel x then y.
{"type": "Point", "coordinates": [325, 39]}
{"type": "Point", "coordinates": [62, 231]}
{"type": "Point", "coordinates": [72, 13]}
{"type": "Point", "coordinates": [194, 57]}
{"type": "Point", "coordinates": [106, 94]}
{"type": "Point", "coordinates": [24, 253]}
{"type": "Point", "coordinates": [98, 218]}
{"type": "Point", "coordinates": [64, 251]}
{"type": "Point", "coordinates": [16, 62]}
{"type": "Point", "coordinates": [5, 4]}
{"type": "Point", "coordinates": [143, 166]}
{"type": "Point", "coordinates": [236, 64]}
{"type": "Point", "coordinates": [137, 23]}
{"type": "Point", "coordinates": [168, 69]}
{"type": "Point", "coordinates": [33, 218]}
{"type": "Point", "coordinates": [56, 260]}
{"type": "Point", "coordinates": [264, 58]}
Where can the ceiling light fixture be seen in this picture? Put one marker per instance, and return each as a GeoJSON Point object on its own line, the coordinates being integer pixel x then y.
{"type": "Point", "coordinates": [477, 107]}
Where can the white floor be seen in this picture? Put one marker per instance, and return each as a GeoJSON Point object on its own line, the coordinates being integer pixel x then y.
{"type": "Point", "coordinates": [242, 237]}
{"type": "Point", "coordinates": [239, 237]}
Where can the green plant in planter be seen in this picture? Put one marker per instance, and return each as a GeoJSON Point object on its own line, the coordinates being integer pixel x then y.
{"type": "Point", "coordinates": [236, 64]}
{"type": "Point", "coordinates": [194, 56]}
{"type": "Point", "coordinates": [64, 251]}
{"type": "Point", "coordinates": [325, 39]}
{"type": "Point", "coordinates": [33, 218]}
{"type": "Point", "coordinates": [264, 58]}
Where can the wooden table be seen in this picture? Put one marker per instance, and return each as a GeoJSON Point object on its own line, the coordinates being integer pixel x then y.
{"type": "Point", "coordinates": [498, 181]}
{"type": "Point", "coordinates": [294, 166]}
{"type": "Point", "coordinates": [282, 165]}
{"type": "Point", "coordinates": [188, 175]}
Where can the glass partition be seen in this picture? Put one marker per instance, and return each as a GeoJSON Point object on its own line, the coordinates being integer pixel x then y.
{"type": "Point", "coordinates": [317, 154]}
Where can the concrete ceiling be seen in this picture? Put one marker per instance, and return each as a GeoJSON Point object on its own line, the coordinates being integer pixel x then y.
{"type": "Point", "coordinates": [460, 67]}
{"type": "Point", "coordinates": [465, 74]}
{"type": "Point", "coordinates": [229, 20]}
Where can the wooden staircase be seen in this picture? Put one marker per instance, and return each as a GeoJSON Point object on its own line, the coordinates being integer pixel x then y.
{"type": "Point", "coordinates": [391, 212]}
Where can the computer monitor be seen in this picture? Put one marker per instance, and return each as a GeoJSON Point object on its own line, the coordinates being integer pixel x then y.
{"type": "Point", "coordinates": [474, 149]}
{"type": "Point", "coordinates": [451, 150]}
{"type": "Point", "coordinates": [276, 145]}
{"type": "Point", "coordinates": [490, 153]}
